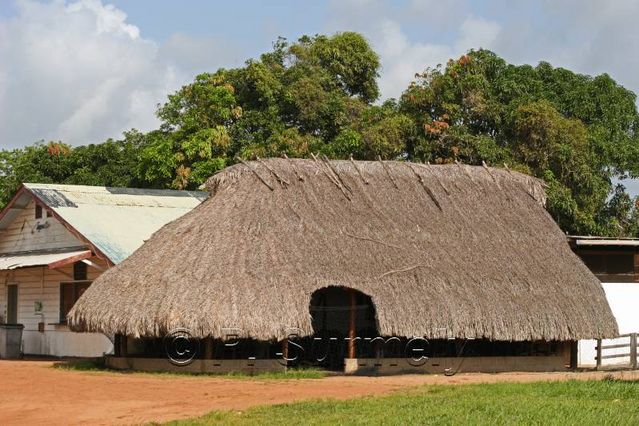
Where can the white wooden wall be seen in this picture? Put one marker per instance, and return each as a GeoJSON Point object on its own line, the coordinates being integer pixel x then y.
{"type": "Point", "coordinates": [41, 284]}
{"type": "Point", "coordinates": [23, 234]}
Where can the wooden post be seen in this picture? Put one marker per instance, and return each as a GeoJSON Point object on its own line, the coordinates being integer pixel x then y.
{"type": "Point", "coordinates": [633, 351]}
{"type": "Point", "coordinates": [116, 345]}
{"type": "Point", "coordinates": [574, 349]}
{"type": "Point", "coordinates": [285, 349]}
{"type": "Point", "coordinates": [598, 353]}
{"type": "Point", "coordinates": [208, 347]}
{"type": "Point", "coordinates": [351, 325]}
{"type": "Point", "coordinates": [123, 346]}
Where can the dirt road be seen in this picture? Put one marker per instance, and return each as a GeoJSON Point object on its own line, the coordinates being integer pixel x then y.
{"type": "Point", "coordinates": [32, 392]}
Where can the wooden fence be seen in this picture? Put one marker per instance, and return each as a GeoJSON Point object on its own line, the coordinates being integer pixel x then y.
{"type": "Point", "coordinates": [631, 353]}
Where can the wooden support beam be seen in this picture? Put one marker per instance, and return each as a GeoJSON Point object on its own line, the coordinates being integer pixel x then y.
{"type": "Point", "coordinates": [208, 348]}
{"type": "Point", "coordinates": [574, 349]}
{"type": "Point", "coordinates": [120, 346]}
{"type": "Point", "coordinates": [285, 349]}
{"type": "Point", "coordinates": [70, 260]}
{"type": "Point", "coordinates": [116, 345]}
{"type": "Point", "coordinates": [351, 324]}
{"type": "Point", "coordinates": [598, 354]}
{"type": "Point", "coordinates": [93, 264]}
{"type": "Point", "coordinates": [633, 351]}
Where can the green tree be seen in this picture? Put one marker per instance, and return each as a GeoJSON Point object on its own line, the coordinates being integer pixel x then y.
{"type": "Point", "coordinates": [299, 98]}
{"type": "Point", "coordinates": [574, 131]}
{"type": "Point", "coordinates": [112, 163]}
{"type": "Point", "coordinates": [319, 95]}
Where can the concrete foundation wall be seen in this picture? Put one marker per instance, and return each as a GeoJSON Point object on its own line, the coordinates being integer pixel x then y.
{"type": "Point", "coordinates": [62, 343]}
{"type": "Point", "coordinates": [353, 366]}
{"type": "Point", "coordinates": [217, 366]}
{"type": "Point", "coordinates": [456, 365]}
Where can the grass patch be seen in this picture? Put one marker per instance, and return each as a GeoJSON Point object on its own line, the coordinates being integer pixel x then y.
{"type": "Point", "coordinates": [98, 365]}
{"type": "Point", "coordinates": [548, 403]}
{"type": "Point", "coordinates": [81, 365]}
{"type": "Point", "coordinates": [292, 373]}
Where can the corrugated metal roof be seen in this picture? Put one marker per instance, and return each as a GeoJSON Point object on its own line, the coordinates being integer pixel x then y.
{"type": "Point", "coordinates": [626, 243]}
{"type": "Point", "coordinates": [24, 260]}
{"type": "Point", "coordinates": [115, 220]}
{"type": "Point", "coordinates": [603, 241]}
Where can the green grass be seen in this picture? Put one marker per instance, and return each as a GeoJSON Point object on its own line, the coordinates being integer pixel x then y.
{"type": "Point", "coordinates": [81, 365]}
{"type": "Point", "coordinates": [97, 365]}
{"type": "Point", "coordinates": [543, 403]}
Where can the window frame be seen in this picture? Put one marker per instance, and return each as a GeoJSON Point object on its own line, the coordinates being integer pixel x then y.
{"type": "Point", "coordinates": [77, 285]}
{"type": "Point", "coordinates": [80, 271]}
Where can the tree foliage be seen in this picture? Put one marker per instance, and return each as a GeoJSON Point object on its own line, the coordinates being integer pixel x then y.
{"type": "Point", "coordinates": [574, 131]}
{"type": "Point", "coordinates": [320, 95]}
{"type": "Point", "coordinates": [111, 163]}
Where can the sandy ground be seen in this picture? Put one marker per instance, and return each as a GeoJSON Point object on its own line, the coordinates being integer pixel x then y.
{"type": "Point", "coordinates": [31, 392]}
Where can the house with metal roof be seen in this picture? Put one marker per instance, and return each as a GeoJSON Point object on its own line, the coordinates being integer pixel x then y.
{"type": "Point", "coordinates": [56, 239]}
{"type": "Point", "coordinates": [615, 262]}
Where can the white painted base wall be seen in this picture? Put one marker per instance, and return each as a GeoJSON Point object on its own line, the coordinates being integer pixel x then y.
{"type": "Point", "coordinates": [42, 285]}
{"type": "Point", "coordinates": [624, 302]}
{"type": "Point", "coordinates": [64, 343]}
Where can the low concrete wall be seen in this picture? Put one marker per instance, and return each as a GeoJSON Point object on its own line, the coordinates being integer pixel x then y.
{"type": "Point", "coordinates": [62, 342]}
{"type": "Point", "coordinates": [216, 366]}
{"type": "Point", "coordinates": [367, 366]}
{"type": "Point", "coordinates": [496, 364]}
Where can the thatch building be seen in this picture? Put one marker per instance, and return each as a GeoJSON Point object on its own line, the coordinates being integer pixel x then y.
{"type": "Point", "coordinates": [440, 251]}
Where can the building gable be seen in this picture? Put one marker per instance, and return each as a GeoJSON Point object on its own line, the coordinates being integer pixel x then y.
{"type": "Point", "coordinates": [27, 233]}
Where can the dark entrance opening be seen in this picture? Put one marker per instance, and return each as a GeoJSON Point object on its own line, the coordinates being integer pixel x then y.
{"type": "Point", "coordinates": [344, 325]}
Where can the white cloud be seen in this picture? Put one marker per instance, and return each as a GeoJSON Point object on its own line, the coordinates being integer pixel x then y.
{"type": "Point", "coordinates": [477, 32]}
{"type": "Point", "coordinates": [81, 73]}
{"type": "Point", "coordinates": [401, 60]}
{"type": "Point", "coordinates": [108, 19]}
{"type": "Point", "coordinates": [78, 70]}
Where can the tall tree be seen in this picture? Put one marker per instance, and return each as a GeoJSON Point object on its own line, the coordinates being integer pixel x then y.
{"type": "Point", "coordinates": [574, 131]}
{"type": "Point", "coordinates": [111, 163]}
{"type": "Point", "coordinates": [311, 95]}
{"type": "Point", "coordinates": [320, 95]}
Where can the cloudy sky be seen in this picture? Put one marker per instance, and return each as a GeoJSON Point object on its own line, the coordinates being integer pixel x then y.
{"type": "Point", "coordinates": [82, 71]}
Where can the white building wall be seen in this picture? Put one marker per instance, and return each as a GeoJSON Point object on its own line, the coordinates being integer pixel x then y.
{"type": "Point", "coordinates": [41, 284]}
{"type": "Point", "coordinates": [624, 302]}
{"type": "Point", "coordinates": [27, 233]}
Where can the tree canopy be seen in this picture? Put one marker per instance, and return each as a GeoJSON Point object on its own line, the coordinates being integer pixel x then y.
{"type": "Point", "coordinates": [320, 95]}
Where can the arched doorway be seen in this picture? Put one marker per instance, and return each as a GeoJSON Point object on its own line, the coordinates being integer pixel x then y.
{"type": "Point", "coordinates": [344, 325]}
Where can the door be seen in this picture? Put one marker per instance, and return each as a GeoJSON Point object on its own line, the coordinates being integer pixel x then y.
{"type": "Point", "coordinates": [12, 304]}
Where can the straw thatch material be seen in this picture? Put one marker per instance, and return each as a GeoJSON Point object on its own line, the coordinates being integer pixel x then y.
{"type": "Point", "coordinates": [444, 251]}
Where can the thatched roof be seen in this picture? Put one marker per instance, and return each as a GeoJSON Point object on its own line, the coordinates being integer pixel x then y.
{"type": "Point", "coordinates": [444, 251]}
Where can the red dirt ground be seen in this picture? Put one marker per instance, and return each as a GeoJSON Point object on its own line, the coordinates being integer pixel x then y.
{"type": "Point", "coordinates": [32, 392]}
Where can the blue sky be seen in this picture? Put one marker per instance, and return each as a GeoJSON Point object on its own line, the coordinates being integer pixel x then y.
{"type": "Point", "coordinates": [86, 70]}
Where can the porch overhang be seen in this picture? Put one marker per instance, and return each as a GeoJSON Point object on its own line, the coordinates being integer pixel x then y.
{"type": "Point", "coordinates": [52, 260]}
